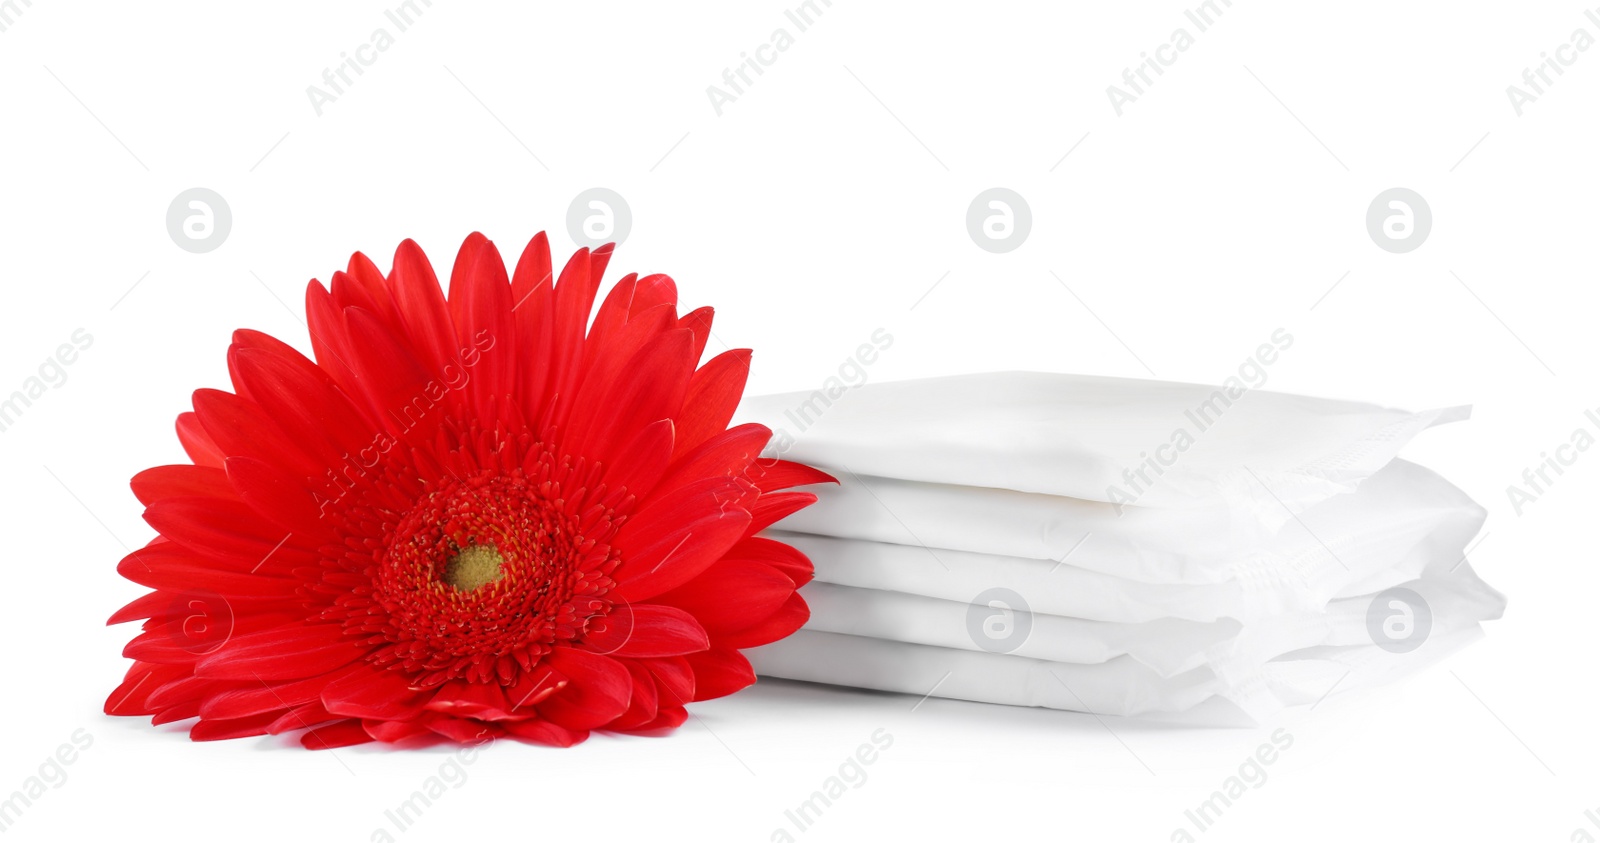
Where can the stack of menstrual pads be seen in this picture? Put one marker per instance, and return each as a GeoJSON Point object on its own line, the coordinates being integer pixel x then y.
{"type": "Point", "coordinates": [1120, 547]}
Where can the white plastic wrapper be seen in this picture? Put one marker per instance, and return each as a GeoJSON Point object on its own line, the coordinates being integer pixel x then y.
{"type": "Point", "coordinates": [1241, 688]}
{"type": "Point", "coordinates": [1259, 455]}
{"type": "Point", "coordinates": [1119, 547]}
{"type": "Point", "coordinates": [1198, 544]}
{"type": "Point", "coordinates": [1168, 646]}
{"type": "Point", "coordinates": [1195, 545]}
{"type": "Point", "coordinates": [1381, 536]}
{"type": "Point", "coordinates": [1120, 687]}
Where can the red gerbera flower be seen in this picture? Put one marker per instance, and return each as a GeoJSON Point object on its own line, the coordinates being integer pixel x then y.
{"type": "Point", "coordinates": [470, 517]}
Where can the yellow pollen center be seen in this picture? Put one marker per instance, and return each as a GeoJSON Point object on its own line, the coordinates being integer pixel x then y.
{"type": "Point", "coordinates": [474, 567]}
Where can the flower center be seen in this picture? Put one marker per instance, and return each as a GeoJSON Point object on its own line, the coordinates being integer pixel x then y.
{"type": "Point", "coordinates": [479, 577]}
{"type": "Point", "coordinates": [474, 567]}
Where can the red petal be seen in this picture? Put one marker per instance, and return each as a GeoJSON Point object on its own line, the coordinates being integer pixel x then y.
{"type": "Point", "coordinates": [783, 557]}
{"type": "Point", "coordinates": [678, 556]}
{"type": "Point", "coordinates": [731, 595]}
{"type": "Point", "coordinates": [261, 343]}
{"type": "Point", "coordinates": [719, 672]}
{"type": "Point", "coordinates": [374, 694]}
{"type": "Point", "coordinates": [176, 481]}
{"type": "Point", "coordinates": [288, 652]}
{"type": "Point", "coordinates": [170, 566]}
{"type": "Point", "coordinates": [197, 443]}
{"type": "Point", "coordinates": [486, 335]}
{"type": "Point", "coordinates": [348, 292]}
{"type": "Point", "coordinates": [612, 314]}
{"type": "Point", "coordinates": [330, 343]}
{"type": "Point", "coordinates": [770, 509]}
{"type": "Point", "coordinates": [534, 687]}
{"type": "Point", "coordinates": [574, 298]}
{"type": "Point", "coordinates": [304, 402]}
{"type": "Point", "coordinates": [188, 689]}
{"type": "Point", "coordinates": [713, 394]}
{"type": "Point", "coordinates": [599, 690]}
{"type": "Point", "coordinates": [674, 678]}
{"type": "Point", "coordinates": [613, 364]}
{"type": "Point", "coordinates": [160, 646]}
{"type": "Point", "coordinates": [390, 731]}
{"type": "Point", "coordinates": [667, 719]}
{"type": "Point", "coordinates": [281, 498]}
{"type": "Point", "coordinates": [653, 291]}
{"type": "Point", "coordinates": [341, 734]}
{"type": "Point", "coordinates": [221, 730]}
{"type": "Point", "coordinates": [263, 697]}
{"type": "Point", "coordinates": [422, 307]}
{"type": "Point", "coordinates": [638, 465]}
{"type": "Point", "coordinates": [653, 389]}
{"type": "Point", "coordinates": [463, 731]}
{"type": "Point", "coordinates": [195, 624]}
{"type": "Point", "coordinates": [181, 711]}
{"type": "Point", "coordinates": [394, 380]}
{"type": "Point", "coordinates": [532, 290]}
{"type": "Point", "coordinates": [240, 428]}
{"type": "Point", "coordinates": [598, 260]}
{"type": "Point", "coordinates": [779, 625]}
{"type": "Point", "coordinates": [772, 475]}
{"type": "Point", "coordinates": [466, 259]}
{"type": "Point", "coordinates": [227, 531]}
{"type": "Point", "coordinates": [698, 322]}
{"type": "Point", "coordinates": [150, 605]}
{"type": "Point", "coordinates": [726, 454]}
{"type": "Point", "coordinates": [642, 709]}
{"type": "Point", "coordinates": [669, 513]}
{"type": "Point", "coordinates": [143, 679]}
{"type": "Point", "coordinates": [474, 700]}
{"type": "Point", "coordinates": [364, 272]}
{"type": "Point", "coordinates": [301, 717]}
{"type": "Point", "coordinates": [642, 630]}
{"type": "Point", "coordinates": [533, 272]}
{"type": "Point", "coordinates": [545, 732]}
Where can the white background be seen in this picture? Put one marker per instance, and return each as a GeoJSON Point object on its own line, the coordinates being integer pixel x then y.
{"type": "Point", "coordinates": [828, 201]}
